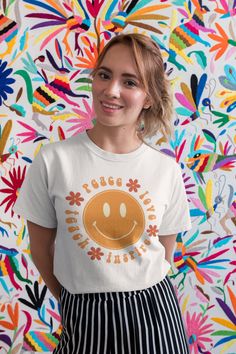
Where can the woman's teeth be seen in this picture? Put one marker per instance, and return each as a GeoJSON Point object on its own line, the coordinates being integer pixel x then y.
{"type": "Point", "coordinates": [111, 106]}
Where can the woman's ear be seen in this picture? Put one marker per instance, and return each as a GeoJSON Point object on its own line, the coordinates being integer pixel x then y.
{"type": "Point", "coordinates": [147, 103]}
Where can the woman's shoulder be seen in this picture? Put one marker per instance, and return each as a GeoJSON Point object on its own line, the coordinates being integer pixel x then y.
{"type": "Point", "coordinates": [69, 144]}
{"type": "Point", "coordinates": [163, 157]}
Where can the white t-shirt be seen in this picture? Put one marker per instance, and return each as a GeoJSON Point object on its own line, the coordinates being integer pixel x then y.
{"type": "Point", "coordinates": [108, 209]}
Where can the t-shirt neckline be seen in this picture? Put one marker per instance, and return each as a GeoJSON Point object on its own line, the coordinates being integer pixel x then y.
{"type": "Point", "coordinates": [111, 155]}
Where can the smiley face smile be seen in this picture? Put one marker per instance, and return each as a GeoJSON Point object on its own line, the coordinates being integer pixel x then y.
{"type": "Point", "coordinates": [112, 238]}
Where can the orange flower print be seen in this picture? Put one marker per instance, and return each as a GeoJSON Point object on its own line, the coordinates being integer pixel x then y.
{"type": "Point", "coordinates": [75, 198]}
{"type": "Point", "coordinates": [95, 253]}
{"type": "Point", "coordinates": [222, 40]}
{"type": "Point", "coordinates": [153, 230]}
{"type": "Point", "coordinates": [133, 185]}
{"type": "Point", "coordinates": [14, 317]}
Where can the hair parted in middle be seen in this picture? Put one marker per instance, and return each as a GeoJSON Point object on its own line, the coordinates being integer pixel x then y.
{"type": "Point", "coordinates": [150, 65]}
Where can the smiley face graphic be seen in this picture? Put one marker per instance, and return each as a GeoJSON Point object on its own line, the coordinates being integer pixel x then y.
{"type": "Point", "coordinates": [114, 219]}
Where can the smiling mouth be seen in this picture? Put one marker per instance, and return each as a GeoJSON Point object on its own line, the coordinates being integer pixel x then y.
{"type": "Point", "coordinates": [110, 238]}
{"type": "Point", "coordinates": [110, 107]}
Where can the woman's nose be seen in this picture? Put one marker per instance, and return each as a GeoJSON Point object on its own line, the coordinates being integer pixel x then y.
{"type": "Point", "coordinates": [112, 89]}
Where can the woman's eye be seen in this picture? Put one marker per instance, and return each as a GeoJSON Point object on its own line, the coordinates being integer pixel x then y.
{"type": "Point", "coordinates": [103, 76]}
{"type": "Point", "coordinates": [130, 83]}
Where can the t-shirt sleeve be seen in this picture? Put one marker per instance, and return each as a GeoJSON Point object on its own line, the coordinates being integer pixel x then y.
{"type": "Point", "coordinates": [34, 203]}
{"type": "Point", "coordinates": [176, 217]}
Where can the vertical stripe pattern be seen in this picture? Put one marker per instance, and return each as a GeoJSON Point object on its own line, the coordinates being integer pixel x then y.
{"type": "Point", "coordinates": [144, 321]}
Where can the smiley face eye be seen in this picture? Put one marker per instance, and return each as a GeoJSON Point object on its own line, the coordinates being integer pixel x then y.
{"type": "Point", "coordinates": [106, 210]}
{"type": "Point", "coordinates": [123, 210]}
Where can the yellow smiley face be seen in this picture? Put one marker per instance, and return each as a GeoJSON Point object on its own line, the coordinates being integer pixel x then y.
{"type": "Point", "coordinates": [114, 219]}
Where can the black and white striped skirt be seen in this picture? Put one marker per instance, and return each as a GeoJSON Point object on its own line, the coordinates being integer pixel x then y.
{"type": "Point", "coordinates": [144, 321]}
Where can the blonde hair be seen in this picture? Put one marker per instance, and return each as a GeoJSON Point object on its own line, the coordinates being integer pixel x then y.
{"type": "Point", "coordinates": [150, 66]}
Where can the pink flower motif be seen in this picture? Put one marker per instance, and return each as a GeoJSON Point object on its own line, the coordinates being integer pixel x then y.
{"type": "Point", "coordinates": [83, 120]}
{"type": "Point", "coordinates": [31, 134]}
{"type": "Point", "coordinates": [153, 230]}
{"type": "Point", "coordinates": [75, 198]}
{"type": "Point", "coordinates": [95, 253]}
{"type": "Point", "coordinates": [133, 185]}
{"type": "Point", "coordinates": [197, 331]}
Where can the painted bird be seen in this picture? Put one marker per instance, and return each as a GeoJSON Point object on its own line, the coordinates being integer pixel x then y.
{"type": "Point", "coordinates": [223, 118]}
{"type": "Point", "coordinates": [201, 160]}
{"type": "Point", "coordinates": [131, 13]}
{"type": "Point", "coordinates": [52, 93]}
{"type": "Point", "coordinates": [57, 21]}
{"type": "Point", "coordinates": [185, 262]}
{"type": "Point", "coordinates": [186, 35]}
{"type": "Point", "coordinates": [49, 99]}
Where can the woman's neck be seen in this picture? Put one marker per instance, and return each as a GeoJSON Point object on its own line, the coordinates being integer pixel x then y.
{"type": "Point", "coordinates": [117, 140]}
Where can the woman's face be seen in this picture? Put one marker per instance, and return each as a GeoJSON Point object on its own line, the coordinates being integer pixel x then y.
{"type": "Point", "coordinates": [118, 95]}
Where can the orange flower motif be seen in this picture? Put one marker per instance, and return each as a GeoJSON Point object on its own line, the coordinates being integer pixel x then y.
{"type": "Point", "coordinates": [133, 185]}
{"type": "Point", "coordinates": [223, 42]}
{"type": "Point", "coordinates": [89, 61]}
{"type": "Point", "coordinates": [153, 230]}
{"type": "Point", "coordinates": [14, 316]}
{"type": "Point", "coordinates": [95, 253]}
{"type": "Point", "coordinates": [75, 198]}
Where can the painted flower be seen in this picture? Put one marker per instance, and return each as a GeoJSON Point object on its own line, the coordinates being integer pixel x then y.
{"type": "Point", "coordinates": [94, 6]}
{"type": "Point", "coordinates": [95, 253]}
{"type": "Point", "coordinates": [75, 198]}
{"type": "Point", "coordinates": [153, 230]}
{"type": "Point", "coordinates": [13, 313]}
{"type": "Point", "coordinates": [223, 42]}
{"type": "Point", "coordinates": [36, 298]}
{"type": "Point", "coordinates": [197, 331]}
{"type": "Point", "coordinates": [133, 185]}
{"type": "Point", "coordinates": [228, 334]}
{"type": "Point", "coordinates": [89, 61]}
{"type": "Point", "coordinates": [5, 81]}
{"type": "Point", "coordinates": [31, 134]}
{"type": "Point", "coordinates": [83, 119]}
{"type": "Point", "coordinates": [16, 179]}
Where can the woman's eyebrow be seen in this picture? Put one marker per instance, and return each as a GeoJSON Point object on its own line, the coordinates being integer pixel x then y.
{"type": "Point", "coordinates": [123, 74]}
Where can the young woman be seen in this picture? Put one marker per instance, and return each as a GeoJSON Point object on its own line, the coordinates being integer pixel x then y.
{"type": "Point", "coordinates": [112, 206]}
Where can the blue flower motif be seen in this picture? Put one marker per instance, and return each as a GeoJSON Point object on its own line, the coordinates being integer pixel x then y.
{"type": "Point", "coordinates": [5, 81]}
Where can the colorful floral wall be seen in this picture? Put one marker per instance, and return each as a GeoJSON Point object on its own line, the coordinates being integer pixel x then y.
{"type": "Point", "coordinates": [47, 50]}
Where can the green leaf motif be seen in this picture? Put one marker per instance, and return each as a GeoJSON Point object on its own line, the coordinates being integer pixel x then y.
{"type": "Point", "coordinates": [27, 79]}
{"type": "Point", "coordinates": [209, 136]}
{"type": "Point", "coordinates": [84, 79]}
{"type": "Point", "coordinates": [84, 88]}
{"type": "Point", "coordinates": [201, 58]}
{"type": "Point", "coordinates": [224, 333]}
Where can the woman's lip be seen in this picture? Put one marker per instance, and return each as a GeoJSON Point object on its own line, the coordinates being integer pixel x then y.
{"type": "Point", "coordinates": [109, 107]}
{"type": "Point", "coordinates": [113, 105]}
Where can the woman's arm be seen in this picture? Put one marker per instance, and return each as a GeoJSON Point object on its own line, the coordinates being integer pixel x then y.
{"type": "Point", "coordinates": [168, 241]}
{"type": "Point", "coordinates": [42, 242]}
